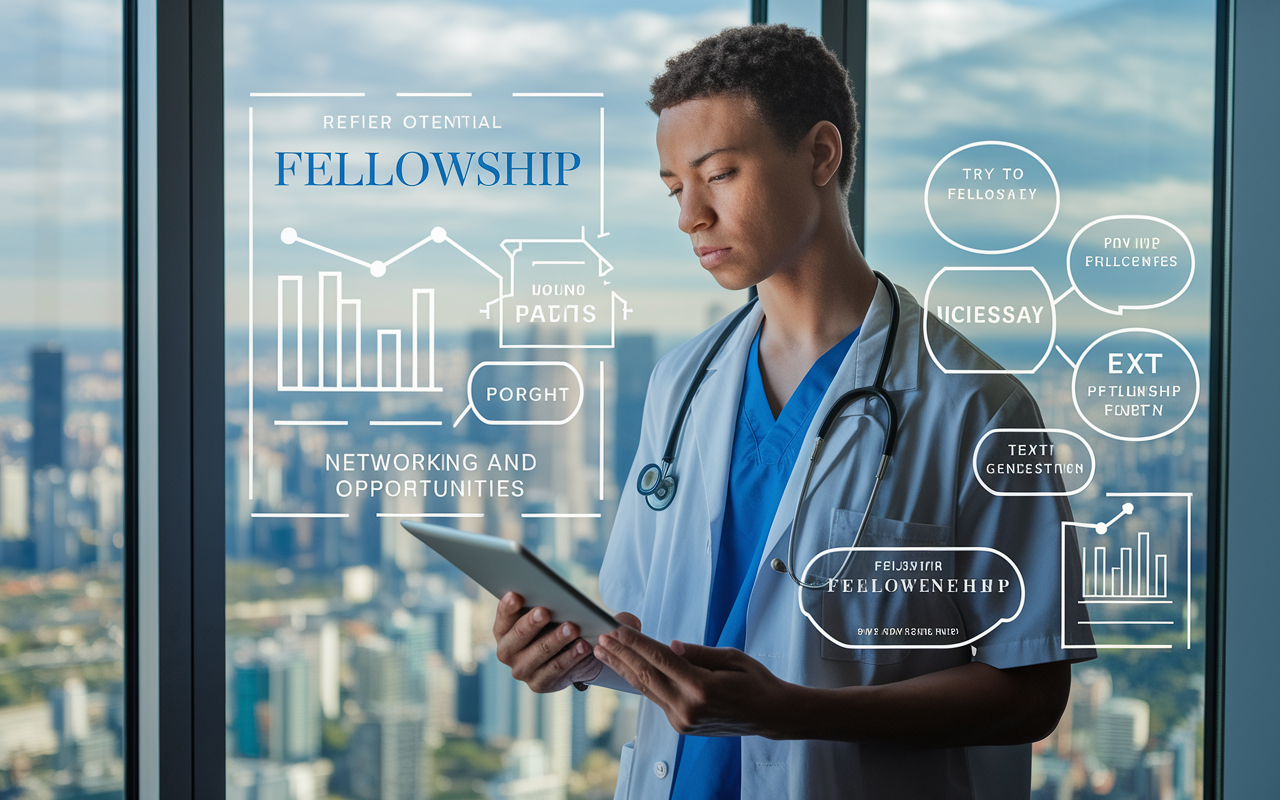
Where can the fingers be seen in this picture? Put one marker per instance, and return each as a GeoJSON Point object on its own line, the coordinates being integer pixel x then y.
{"type": "Point", "coordinates": [521, 633]}
{"type": "Point", "coordinates": [654, 652]}
{"type": "Point", "coordinates": [652, 670]}
{"type": "Point", "coordinates": [508, 612]}
{"type": "Point", "coordinates": [717, 658]}
{"type": "Point", "coordinates": [551, 675]}
{"type": "Point", "coordinates": [539, 663]}
{"type": "Point", "coordinates": [628, 619]}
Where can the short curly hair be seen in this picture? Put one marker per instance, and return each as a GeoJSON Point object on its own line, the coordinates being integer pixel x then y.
{"type": "Point", "coordinates": [792, 78]}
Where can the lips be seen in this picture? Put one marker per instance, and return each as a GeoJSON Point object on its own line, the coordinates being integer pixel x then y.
{"type": "Point", "coordinates": [712, 256]}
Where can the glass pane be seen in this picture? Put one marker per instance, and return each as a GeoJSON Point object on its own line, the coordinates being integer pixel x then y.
{"type": "Point", "coordinates": [61, 410]}
{"type": "Point", "coordinates": [1039, 176]}
{"type": "Point", "coordinates": [414, 191]}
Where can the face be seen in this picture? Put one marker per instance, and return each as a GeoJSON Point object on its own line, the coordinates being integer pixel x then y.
{"type": "Point", "coordinates": [749, 204]}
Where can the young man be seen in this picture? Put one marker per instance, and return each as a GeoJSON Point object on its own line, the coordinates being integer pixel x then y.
{"type": "Point", "coordinates": [746, 696]}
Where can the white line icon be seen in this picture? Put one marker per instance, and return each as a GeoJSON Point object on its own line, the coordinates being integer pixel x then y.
{"type": "Point", "coordinates": [1053, 320]}
{"type": "Point", "coordinates": [1128, 586]}
{"type": "Point", "coordinates": [341, 306]}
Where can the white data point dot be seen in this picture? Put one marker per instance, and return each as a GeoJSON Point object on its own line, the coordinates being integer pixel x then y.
{"type": "Point", "coordinates": [438, 234]}
{"type": "Point", "coordinates": [1102, 527]}
{"type": "Point", "coordinates": [288, 236]}
{"type": "Point", "coordinates": [1128, 508]}
{"type": "Point", "coordinates": [378, 269]}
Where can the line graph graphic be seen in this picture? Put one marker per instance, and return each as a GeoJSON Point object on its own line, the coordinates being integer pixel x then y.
{"type": "Point", "coordinates": [1125, 572]}
{"type": "Point", "coordinates": [591, 319]}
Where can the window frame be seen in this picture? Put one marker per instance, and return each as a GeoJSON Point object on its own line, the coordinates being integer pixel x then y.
{"type": "Point", "coordinates": [175, 740]}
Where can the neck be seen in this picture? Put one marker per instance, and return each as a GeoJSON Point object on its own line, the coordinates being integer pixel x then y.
{"type": "Point", "coordinates": [822, 295]}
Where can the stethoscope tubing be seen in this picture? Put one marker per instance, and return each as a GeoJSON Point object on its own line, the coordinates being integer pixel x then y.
{"type": "Point", "coordinates": [657, 483]}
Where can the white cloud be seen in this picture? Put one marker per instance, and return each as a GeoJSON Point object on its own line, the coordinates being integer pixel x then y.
{"type": "Point", "coordinates": [60, 106]}
{"type": "Point", "coordinates": [458, 46]}
{"type": "Point", "coordinates": [909, 31]}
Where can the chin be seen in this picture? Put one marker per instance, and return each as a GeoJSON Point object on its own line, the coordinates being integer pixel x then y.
{"type": "Point", "coordinates": [734, 281]}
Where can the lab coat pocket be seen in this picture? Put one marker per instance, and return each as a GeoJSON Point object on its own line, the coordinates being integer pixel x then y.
{"type": "Point", "coordinates": [879, 597]}
{"type": "Point", "coordinates": [624, 771]}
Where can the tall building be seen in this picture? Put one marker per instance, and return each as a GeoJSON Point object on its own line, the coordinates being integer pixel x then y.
{"type": "Point", "coordinates": [14, 516]}
{"type": "Point", "coordinates": [69, 706]}
{"type": "Point", "coordinates": [386, 758]}
{"type": "Point", "coordinates": [57, 546]}
{"type": "Point", "coordinates": [1121, 730]}
{"type": "Point", "coordinates": [294, 726]}
{"type": "Point", "coordinates": [47, 413]}
{"type": "Point", "coordinates": [238, 505]}
{"type": "Point", "coordinates": [330, 669]}
{"type": "Point", "coordinates": [252, 682]}
{"type": "Point", "coordinates": [16, 547]}
{"type": "Point", "coordinates": [497, 700]}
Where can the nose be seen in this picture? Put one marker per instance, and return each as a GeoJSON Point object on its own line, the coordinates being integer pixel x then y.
{"type": "Point", "coordinates": [696, 213]}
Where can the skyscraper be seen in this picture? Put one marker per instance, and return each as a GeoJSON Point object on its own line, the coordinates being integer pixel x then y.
{"type": "Point", "coordinates": [252, 682]}
{"type": "Point", "coordinates": [294, 728]}
{"type": "Point", "coordinates": [53, 548]}
{"type": "Point", "coordinates": [1121, 732]}
{"type": "Point", "coordinates": [47, 411]}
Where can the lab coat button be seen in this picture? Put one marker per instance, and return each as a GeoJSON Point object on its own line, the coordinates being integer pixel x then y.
{"type": "Point", "coordinates": [660, 769]}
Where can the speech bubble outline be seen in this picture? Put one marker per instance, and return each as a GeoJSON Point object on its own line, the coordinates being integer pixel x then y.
{"type": "Point", "coordinates": [471, 402]}
{"type": "Point", "coordinates": [1057, 193]}
{"type": "Point", "coordinates": [1053, 321]}
{"type": "Point", "coordinates": [1093, 462]}
{"type": "Point", "coordinates": [1121, 309]}
{"type": "Point", "coordinates": [1075, 374]}
{"type": "Point", "coordinates": [1022, 596]}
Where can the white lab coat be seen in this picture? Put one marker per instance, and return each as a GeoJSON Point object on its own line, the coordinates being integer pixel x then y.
{"type": "Point", "coordinates": [659, 565]}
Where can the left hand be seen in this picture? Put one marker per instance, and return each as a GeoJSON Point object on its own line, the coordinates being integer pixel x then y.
{"type": "Point", "coordinates": [704, 691]}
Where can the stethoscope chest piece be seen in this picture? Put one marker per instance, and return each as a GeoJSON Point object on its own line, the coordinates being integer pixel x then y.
{"type": "Point", "coordinates": [658, 488]}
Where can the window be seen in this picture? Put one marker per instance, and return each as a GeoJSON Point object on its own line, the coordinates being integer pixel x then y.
{"type": "Point", "coordinates": [449, 272]}
{"type": "Point", "coordinates": [1040, 176]}
{"type": "Point", "coordinates": [62, 443]}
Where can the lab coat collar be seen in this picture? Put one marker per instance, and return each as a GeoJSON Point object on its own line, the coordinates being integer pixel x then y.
{"type": "Point", "coordinates": [857, 370]}
{"type": "Point", "coordinates": [714, 418]}
{"type": "Point", "coordinates": [904, 364]}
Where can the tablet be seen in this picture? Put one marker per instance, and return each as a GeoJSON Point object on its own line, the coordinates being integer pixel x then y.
{"type": "Point", "coordinates": [502, 566]}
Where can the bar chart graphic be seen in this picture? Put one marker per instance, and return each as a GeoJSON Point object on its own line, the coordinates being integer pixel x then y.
{"type": "Point", "coordinates": [1133, 577]}
{"type": "Point", "coordinates": [1130, 569]}
{"type": "Point", "coordinates": [339, 330]}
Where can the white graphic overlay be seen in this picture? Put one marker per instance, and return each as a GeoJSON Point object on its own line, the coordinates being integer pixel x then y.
{"type": "Point", "coordinates": [1142, 385]}
{"type": "Point", "coordinates": [1126, 566]}
{"type": "Point", "coordinates": [992, 197]}
{"type": "Point", "coordinates": [999, 309]}
{"type": "Point", "coordinates": [1026, 454]}
{"type": "Point", "coordinates": [1114, 261]}
{"type": "Point", "coordinates": [925, 624]}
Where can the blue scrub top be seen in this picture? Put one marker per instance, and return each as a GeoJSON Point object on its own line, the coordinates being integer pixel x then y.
{"type": "Point", "coordinates": [764, 453]}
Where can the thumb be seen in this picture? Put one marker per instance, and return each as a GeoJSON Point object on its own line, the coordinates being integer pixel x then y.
{"type": "Point", "coordinates": [708, 657]}
{"type": "Point", "coordinates": [630, 620]}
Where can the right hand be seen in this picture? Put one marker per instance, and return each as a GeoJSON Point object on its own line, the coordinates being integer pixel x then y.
{"type": "Point", "coordinates": [546, 658]}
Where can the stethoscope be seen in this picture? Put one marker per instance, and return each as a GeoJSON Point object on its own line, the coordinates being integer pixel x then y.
{"type": "Point", "coordinates": [657, 482]}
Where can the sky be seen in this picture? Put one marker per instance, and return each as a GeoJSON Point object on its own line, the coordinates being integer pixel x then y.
{"type": "Point", "coordinates": [1115, 96]}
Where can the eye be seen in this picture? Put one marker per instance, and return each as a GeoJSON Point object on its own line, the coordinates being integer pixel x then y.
{"type": "Point", "coordinates": [674, 192]}
{"type": "Point", "coordinates": [722, 175]}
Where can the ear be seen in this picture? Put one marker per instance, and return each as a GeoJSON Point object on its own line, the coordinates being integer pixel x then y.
{"type": "Point", "coordinates": [827, 148]}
